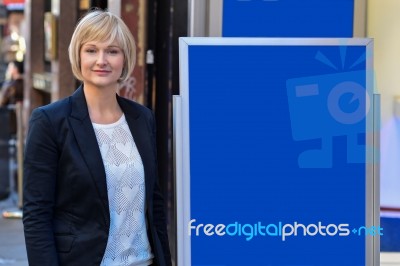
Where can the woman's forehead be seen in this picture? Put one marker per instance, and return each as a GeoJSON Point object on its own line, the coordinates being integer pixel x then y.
{"type": "Point", "coordinates": [105, 43]}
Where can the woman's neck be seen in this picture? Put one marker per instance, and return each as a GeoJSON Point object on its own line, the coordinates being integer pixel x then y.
{"type": "Point", "coordinates": [102, 105]}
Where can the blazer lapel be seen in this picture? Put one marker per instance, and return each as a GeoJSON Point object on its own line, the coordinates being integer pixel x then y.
{"type": "Point", "coordinates": [87, 142]}
{"type": "Point", "coordinates": [140, 133]}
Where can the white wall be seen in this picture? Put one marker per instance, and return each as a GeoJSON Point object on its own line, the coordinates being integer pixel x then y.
{"type": "Point", "coordinates": [383, 24]}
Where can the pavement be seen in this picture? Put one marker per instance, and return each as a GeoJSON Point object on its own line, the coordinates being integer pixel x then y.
{"type": "Point", "coordinates": [12, 242]}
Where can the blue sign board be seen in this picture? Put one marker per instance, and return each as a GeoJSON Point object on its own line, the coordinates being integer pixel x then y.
{"type": "Point", "coordinates": [288, 18]}
{"type": "Point", "coordinates": [272, 152]}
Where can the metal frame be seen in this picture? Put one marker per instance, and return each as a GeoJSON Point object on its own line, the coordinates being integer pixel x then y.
{"type": "Point", "coordinates": [114, 6]}
{"type": "Point", "coordinates": [359, 18]}
{"type": "Point", "coordinates": [205, 18]}
{"type": "Point", "coordinates": [375, 254]}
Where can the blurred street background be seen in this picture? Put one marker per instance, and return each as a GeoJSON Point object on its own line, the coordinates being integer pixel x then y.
{"type": "Point", "coordinates": [12, 244]}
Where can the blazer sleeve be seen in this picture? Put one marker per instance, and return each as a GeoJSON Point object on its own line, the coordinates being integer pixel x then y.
{"type": "Point", "coordinates": [160, 221]}
{"type": "Point", "coordinates": [40, 171]}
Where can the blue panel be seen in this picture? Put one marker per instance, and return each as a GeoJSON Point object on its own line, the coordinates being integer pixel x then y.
{"type": "Point", "coordinates": [288, 18]}
{"type": "Point", "coordinates": [276, 138]}
{"type": "Point", "coordinates": [390, 241]}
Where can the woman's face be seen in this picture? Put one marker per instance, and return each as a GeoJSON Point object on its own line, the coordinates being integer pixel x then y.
{"type": "Point", "coordinates": [101, 64]}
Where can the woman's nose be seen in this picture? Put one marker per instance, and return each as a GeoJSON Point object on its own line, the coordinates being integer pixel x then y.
{"type": "Point", "coordinates": [101, 59]}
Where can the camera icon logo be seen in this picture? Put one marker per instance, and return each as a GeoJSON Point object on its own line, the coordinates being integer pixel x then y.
{"type": "Point", "coordinates": [326, 106]}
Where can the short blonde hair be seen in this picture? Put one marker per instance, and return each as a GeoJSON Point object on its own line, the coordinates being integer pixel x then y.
{"type": "Point", "coordinates": [102, 26]}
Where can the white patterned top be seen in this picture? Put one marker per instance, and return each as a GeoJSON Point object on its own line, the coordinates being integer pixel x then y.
{"type": "Point", "coordinates": [128, 243]}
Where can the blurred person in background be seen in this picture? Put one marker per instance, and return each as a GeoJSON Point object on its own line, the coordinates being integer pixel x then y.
{"type": "Point", "coordinates": [12, 90]}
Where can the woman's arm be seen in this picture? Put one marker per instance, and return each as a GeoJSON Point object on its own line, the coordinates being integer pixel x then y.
{"type": "Point", "coordinates": [40, 172]}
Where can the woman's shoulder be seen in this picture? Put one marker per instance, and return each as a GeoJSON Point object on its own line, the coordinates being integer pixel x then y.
{"type": "Point", "coordinates": [135, 107]}
{"type": "Point", "coordinates": [57, 105]}
{"type": "Point", "coordinates": [54, 110]}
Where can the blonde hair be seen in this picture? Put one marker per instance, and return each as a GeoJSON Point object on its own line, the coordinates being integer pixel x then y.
{"type": "Point", "coordinates": [102, 26]}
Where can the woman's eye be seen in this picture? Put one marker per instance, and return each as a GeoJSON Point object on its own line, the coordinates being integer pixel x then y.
{"type": "Point", "coordinates": [90, 51]}
{"type": "Point", "coordinates": [113, 51]}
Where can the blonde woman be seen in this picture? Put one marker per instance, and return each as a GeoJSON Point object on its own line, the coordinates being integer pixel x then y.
{"type": "Point", "coordinates": [91, 195]}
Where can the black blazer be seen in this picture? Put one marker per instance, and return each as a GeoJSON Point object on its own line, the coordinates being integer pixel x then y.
{"type": "Point", "coordinates": [65, 213]}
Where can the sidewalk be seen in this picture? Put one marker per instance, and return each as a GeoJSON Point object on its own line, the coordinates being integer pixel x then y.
{"type": "Point", "coordinates": [12, 243]}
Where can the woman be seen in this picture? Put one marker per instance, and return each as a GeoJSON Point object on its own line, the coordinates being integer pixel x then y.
{"type": "Point", "coordinates": [90, 175]}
